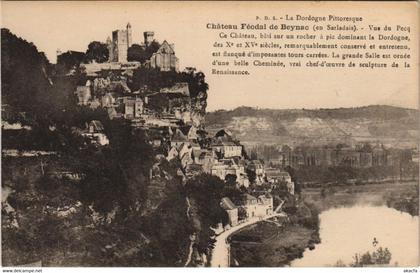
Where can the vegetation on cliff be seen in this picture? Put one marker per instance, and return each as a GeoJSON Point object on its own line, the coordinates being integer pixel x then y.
{"type": "Point", "coordinates": [90, 206]}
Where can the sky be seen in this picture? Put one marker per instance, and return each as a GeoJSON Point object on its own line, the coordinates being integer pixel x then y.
{"type": "Point", "coordinates": [73, 25]}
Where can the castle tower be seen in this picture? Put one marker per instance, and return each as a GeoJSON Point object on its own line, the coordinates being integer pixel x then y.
{"type": "Point", "coordinates": [148, 37]}
{"type": "Point", "coordinates": [121, 41]}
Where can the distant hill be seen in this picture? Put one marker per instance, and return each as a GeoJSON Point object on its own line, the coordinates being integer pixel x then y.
{"type": "Point", "coordinates": [393, 126]}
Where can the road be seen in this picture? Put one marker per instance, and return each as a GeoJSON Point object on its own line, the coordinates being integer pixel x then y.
{"type": "Point", "coordinates": [220, 254]}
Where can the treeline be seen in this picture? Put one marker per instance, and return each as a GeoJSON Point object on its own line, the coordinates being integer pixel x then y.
{"type": "Point", "coordinates": [320, 175]}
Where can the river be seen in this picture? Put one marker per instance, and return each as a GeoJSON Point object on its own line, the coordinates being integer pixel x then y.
{"type": "Point", "coordinates": [349, 230]}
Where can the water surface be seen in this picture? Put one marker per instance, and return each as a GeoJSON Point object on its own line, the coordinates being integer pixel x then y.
{"type": "Point", "coordinates": [347, 231]}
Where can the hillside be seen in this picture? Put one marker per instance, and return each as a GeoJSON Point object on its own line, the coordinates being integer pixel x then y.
{"type": "Point", "coordinates": [390, 125]}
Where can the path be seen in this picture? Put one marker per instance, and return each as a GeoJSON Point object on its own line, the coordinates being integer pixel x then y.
{"type": "Point", "coordinates": [220, 253]}
{"type": "Point", "coordinates": [192, 237]}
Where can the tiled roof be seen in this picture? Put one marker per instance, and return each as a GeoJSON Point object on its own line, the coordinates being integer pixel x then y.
{"type": "Point", "coordinates": [227, 204]}
{"type": "Point", "coordinates": [179, 136]}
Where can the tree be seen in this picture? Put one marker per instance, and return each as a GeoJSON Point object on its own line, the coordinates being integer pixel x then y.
{"type": "Point", "coordinates": [251, 175]}
{"type": "Point", "coordinates": [380, 256]}
{"type": "Point", "coordinates": [142, 54]}
{"type": "Point", "coordinates": [97, 52]}
{"type": "Point", "coordinates": [136, 53]}
{"type": "Point", "coordinates": [230, 180]}
{"type": "Point", "coordinates": [69, 60]}
{"type": "Point", "coordinates": [116, 176]}
{"type": "Point", "coordinates": [24, 73]}
{"type": "Point", "coordinates": [206, 192]}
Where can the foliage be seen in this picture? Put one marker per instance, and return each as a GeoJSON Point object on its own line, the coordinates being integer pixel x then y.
{"type": "Point", "coordinates": [141, 53]}
{"type": "Point", "coordinates": [97, 52]}
{"type": "Point", "coordinates": [22, 61]}
{"type": "Point", "coordinates": [69, 62]}
{"type": "Point", "coordinates": [207, 190]}
{"type": "Point", "coordinates": [380, 256]}
{"type": "Point", "coordinates": [251, 175]}
{"type": "Point", "coordinates": [406, 201]}
{"type": "Point", "coordinates": [116, 175]}
{"type": "Point", "coordinates": [114, 216]}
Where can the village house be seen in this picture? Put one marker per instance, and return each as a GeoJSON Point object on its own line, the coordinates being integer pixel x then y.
{"type": "Point", "coordinates": [130, 107]}
{"type": "Point", "coordinates": [108, 100]}
{"type": "Point", "coordinates": [179, 139]}
{"type": "Point", "coordinates": [231, 210]}
{"type": "Point", "coordinates": [277, 177]}
{"type": "Point", "coordinates": [265, 205]}
{"type": "Point", "coordinates": [257, 206]}
{"type": "Point", "coordinates": [242, 179]}
{"type": "Point", "coordinates": [258, 167]}
{"type": "Point", "coordinates": [249, 203]}
{"type": "Point", "coordinates": [222, 168]}
{"type": "Point", "coordinates": [192, 134]}
{"type": "Point", "coordinates": [226, 148]}
{"type": "Point", "coordinates": [83, 94]}
{"type": "Point", "coordinates": [172, 153]}
{"type": "Point", "coordinates": [185, 154]}
{"type": "Point", "coordinates": [95, 133]}
{"type": "Point", "coordinates": [205, 158]}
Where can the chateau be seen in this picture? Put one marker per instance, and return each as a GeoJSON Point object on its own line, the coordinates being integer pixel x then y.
{"type": "Point", "coordinates": [163, 59]}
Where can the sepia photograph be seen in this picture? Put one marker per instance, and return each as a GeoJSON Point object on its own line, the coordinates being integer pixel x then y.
{"type": "Point", "coordinates": [209, 134]}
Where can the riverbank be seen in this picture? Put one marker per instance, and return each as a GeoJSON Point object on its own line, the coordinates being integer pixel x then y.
{"type": "Point", "coordinates": [220, 255]}
{"type": "Point", "coordinates": [389, 194]}
{"type": "Point", "coordinates": [276, 243]}
{"type": "Point", "coordinates": [266, 244]}
{"type": "Point", "coordinates": [270, 244]}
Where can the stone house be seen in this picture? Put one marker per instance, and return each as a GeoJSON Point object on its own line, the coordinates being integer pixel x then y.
{"type": "Point", "coordinates": [205, 158]}
{"type": "Point", "coordinates": [83, 94]}
{"type": "Point", "coordinates": [95, 133]}
{"type": "Point", "coordinates": [265, 205]}
{"type": "Point", "coordinates": [222, 169]}
{"type": "Point", "coordinates": [226, 148]}
{"type": "Point", "coordinates": [178, 139]}
{"type": "Point", "coordinates": [130, 107]}
{"type": "Point", "coordinates": [257, 206]}
{"type": "Point", "coordinates": [231, 210]}
{"type": "Point", "coordinates": [249, 203]}
{"type": "Point", "coordinates": [258, 167]}
{"type": "Point", "coordinates": [276, 176]}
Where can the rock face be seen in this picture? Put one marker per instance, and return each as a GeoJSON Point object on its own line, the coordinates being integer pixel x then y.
{"type": "Point", "coordinates": [389, 125]}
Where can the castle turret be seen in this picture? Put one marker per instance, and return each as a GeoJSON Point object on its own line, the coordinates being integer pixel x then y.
{"type": "Point", "coordinates": [129, 41]}
{"type": "Point", "coordinates": [148, 37]}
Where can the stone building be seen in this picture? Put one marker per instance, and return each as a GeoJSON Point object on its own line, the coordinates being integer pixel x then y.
{"type": "Point", "coordinates": [231, 210]}
{"type": "Point", "coordinates": [118, 46]}
{"type": "Point", "coordinates": [164, 59]}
